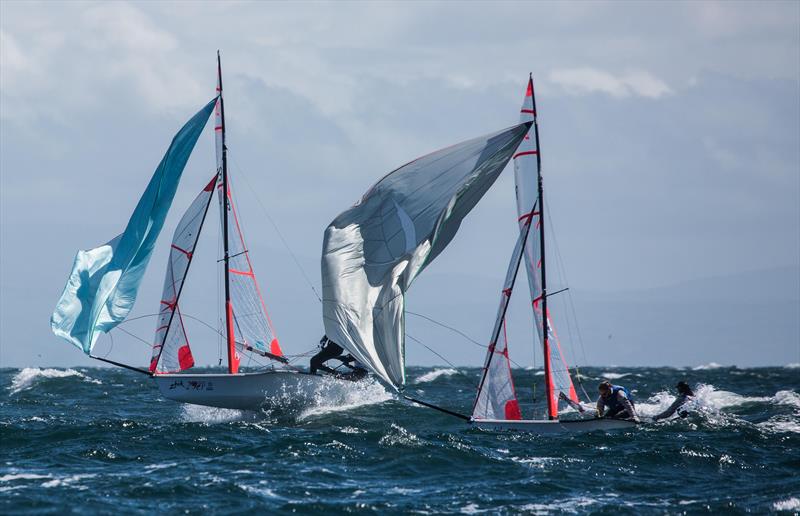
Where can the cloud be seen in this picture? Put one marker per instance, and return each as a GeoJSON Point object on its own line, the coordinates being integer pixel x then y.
{"type": "Point", "coordinates": [582, 81]}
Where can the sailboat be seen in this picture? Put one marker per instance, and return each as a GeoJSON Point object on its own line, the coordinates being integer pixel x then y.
{"type": "Point", "coordinates": [104, 282]}
{"type": "Point", "coordinates": [373, 251]}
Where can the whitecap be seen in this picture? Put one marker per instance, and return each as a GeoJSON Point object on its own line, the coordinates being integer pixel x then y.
{"type": "Point", "coordinates": [26, 378]}
{"type": "Point", "coordinates": [793, 365]}
{"type": "Point", "coordinates": [436, 373]}
{"type": "Point", "coordinates": [22, 476]}
{"type": "Point", "coordinates": [710, 365]}
{"type": "Point", "coordinates": [614, 376]}
{"type": "Point", "coordinates": [790, 398]}
{"type": "Point", "coordinates": [790, 504]}
{"type": "Point", "coordinates": [780, 425]}
{"type": "Point", "coordinates": [68, 481]}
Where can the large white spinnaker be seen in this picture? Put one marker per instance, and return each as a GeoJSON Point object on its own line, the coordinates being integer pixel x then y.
{"type": "Point", "coordinates": [372, 252]}
{"type": "Point", "coordinates": [526, 177]}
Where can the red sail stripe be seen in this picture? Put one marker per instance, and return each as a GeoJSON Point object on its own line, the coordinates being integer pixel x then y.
{"type": "Point", "coordinates": [525, 153]}
{"type": "Point", "coordinates": [526, 217]}
{"type": "Point", "coordinates": [241, 273]}
{"type": "Point", "coordinates": [530, 111]}
{"type": "Point", "coordinates": [184, 251]}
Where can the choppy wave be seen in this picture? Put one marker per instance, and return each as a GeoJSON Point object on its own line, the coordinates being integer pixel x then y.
{"type": "Point", "coordinates": [353, 447]}
{"type": "Point", "coordinates": [29, 376]}
{"type": "Point", "coordinates": [708, 366]}
{"type": "Point", "coordinates": [793, 365]}
{"type": "Point", "coordinates": [436, 373]}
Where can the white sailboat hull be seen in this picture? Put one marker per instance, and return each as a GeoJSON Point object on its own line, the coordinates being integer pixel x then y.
{"type": "Point", "coordinates": [246, 391]}
{"type": "Point", "coordinates": [555, 426]}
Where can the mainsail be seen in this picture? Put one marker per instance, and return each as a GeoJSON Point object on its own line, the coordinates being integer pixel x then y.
{"type": "Point", "coordinates": [248, 325]}
{"type": "Point", "coordinates": [104, 281]}
{"type": "Point", "coordinates": [372, 252]}
{"type": "Point", "coordinates": [171, 352]}
{"type": "Point", "coordinates": [526, 176]}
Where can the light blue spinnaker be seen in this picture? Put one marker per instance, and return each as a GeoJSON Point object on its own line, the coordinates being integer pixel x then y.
{"type": "Point", "coordinates": [104, 281]}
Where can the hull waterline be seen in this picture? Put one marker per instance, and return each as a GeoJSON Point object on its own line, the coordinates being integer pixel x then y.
{"type": "Point", "coordinates": [554, 426]}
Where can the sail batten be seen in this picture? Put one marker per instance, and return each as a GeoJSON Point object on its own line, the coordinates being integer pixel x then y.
{"type": "Point", "coordinates": [104, 282]}
{"type": "Point", "coordinates": [374, 251]}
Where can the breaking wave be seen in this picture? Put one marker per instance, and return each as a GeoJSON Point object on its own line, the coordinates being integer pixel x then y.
{"type": "Point", "coordinates": [708, 366]}
{"type": "Point", "coordinates": [26, 378]}
{"type": "Point", "coordinates": [436, 373]}
{"type": "Point", "coordinates": [338, 396]}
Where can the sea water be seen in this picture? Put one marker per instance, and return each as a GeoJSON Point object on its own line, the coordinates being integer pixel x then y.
{"type": "Point", "coordinates": [103, 440]}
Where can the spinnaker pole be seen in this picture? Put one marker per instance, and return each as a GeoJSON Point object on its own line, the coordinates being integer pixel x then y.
{"type": "Point", "coordinates": [233, 360]}
{"type": "Point", "coordinates": [548, 380]}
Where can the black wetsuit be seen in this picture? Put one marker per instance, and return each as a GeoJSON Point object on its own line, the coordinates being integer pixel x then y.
{"type": "Point", "coordinates": [330, 350]}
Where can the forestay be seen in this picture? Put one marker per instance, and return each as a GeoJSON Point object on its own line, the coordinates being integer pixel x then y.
{"type": "Point", "coordinates": [372, 252]}
{"type": "Point", "coordinates": [104, 281]}
{"type": "Point", "coordinates": [171, 352]}
{"type": "Point", "coordinates": [526, 179]}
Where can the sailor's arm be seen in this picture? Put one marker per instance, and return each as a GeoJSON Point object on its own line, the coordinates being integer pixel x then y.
{"type": "Point", "coordinates": [600, 406]}
{"type": "Point", "coordinates": [671, 410]}
{"type": "Point", "coordinates": [627, 404]}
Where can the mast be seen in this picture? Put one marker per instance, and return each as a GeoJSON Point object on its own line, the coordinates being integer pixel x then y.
{"type": "Point", "coordinates": [545, 326]}
{"type": "Point", "coordinates": [233, 362]}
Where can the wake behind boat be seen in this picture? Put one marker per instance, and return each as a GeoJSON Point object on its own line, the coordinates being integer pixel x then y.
{"type": "Point", "coordinates": [104, 283]}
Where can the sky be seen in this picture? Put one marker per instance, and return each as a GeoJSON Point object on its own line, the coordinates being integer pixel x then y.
{"type": "Point", "coordinates": [670, 137]}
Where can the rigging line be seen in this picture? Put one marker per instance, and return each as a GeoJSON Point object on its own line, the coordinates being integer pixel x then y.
{"type": "Point", "coordinates": [448, 327]}
{"type": "Point", "coordinates": [560, 261]}
{"type": "Point", "coordinates": [453, 330]}
{"type": "Point", "coordinates": [434, 352]}
{"type": "Point", "coordinates": [574, 316]}
{"type": "Point", "coordinates": [123, 330]}
{"type": "Point", "coordinates": [278, 231]}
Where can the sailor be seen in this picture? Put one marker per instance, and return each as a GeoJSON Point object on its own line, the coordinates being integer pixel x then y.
{"type": "Point", "coordinates": [617, 399]}
{"type": "Point", "coordinates": [685, 394]}
{"type": "Point", "coordinates": [332, 351]}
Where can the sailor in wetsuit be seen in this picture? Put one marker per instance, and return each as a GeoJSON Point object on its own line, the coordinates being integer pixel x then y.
{"type": "Point", "coordinates": [330, 351]}
{"type": "Point", "coordinates": [685, 394]}
{"type": "Point", "coordinates": [617, 399]}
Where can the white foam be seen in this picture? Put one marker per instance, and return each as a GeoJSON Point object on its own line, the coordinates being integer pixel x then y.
{"type": "Point", "coordinates": [26, 378]}
{"type": "Point", "coordinates": [614, 376]}
{"type": "Point", "coordinates": [399, 436]}
{"type": "Point", "coordinates": [338, 396]}
{"type": "Point", "coordinates": [436, 373]}
{"type": "Point", "coordinates": [790, 398]}
{"type": "Point", "coordinates": [22, 476]}
{"type": "Point", "coordinates": [780, 424]}
{"type": "Point", "coordinates": [68, 481]}
{"type": "Point", "coordinates": [793, 365]}
{"type": "Point", "coordinates": [209, 415]}
{"type": "Point", "coordinates": [790, 504]}
{"type": "Point", "coordinates": [710, 365]}
{"type": "Point", "coordinates": [709, 400]}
